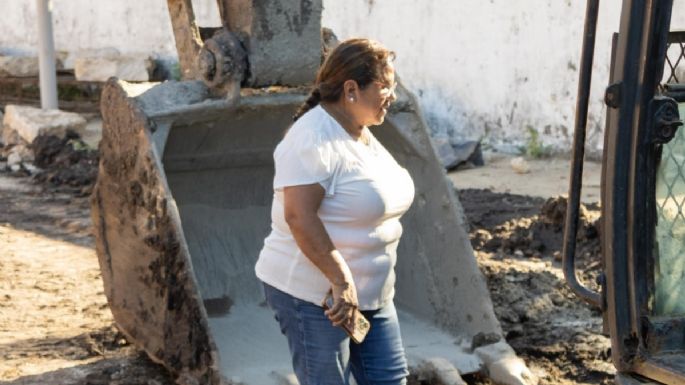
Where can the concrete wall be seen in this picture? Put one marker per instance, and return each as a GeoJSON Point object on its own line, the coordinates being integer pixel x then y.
{"type": "Point", "coordinates": [494, 69]}
{"type": "Point", "coordinates": [130, 26]}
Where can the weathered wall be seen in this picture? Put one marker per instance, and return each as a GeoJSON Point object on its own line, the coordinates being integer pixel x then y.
{"type": "Point", "coordinates": [494, 69]}
{"type": "Point", "coordinates": [130, 26]}
{"type": "Point", "coordinates": [488, 68]}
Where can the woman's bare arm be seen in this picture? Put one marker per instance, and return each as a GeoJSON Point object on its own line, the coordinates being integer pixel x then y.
{"type": "Point", "coordinates": [301, 213]}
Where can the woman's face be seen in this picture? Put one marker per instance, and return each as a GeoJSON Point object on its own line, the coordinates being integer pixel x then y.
{"type": "Point", "coordinates": [370, 105]}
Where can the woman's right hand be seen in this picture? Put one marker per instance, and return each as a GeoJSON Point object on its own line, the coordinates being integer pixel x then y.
{"type": "Point", "coordinates": [344, 303]}
{"type": "Point", "coordinates": [301, 206]}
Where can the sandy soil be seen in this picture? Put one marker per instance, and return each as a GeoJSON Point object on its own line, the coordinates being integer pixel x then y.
{"type": "Point", "coordinates": [56, 328]}
{"type": "Point", "coordinates": [55, 325]}
{"type": "Point", "coordinates": [547, 177]}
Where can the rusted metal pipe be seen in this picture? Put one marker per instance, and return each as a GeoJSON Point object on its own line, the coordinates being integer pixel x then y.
{"type": "Point", "coordinates": [576, 179]}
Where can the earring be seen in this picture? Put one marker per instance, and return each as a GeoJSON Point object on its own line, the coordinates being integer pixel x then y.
{"type": "Point", "coordinates": [352, 98]}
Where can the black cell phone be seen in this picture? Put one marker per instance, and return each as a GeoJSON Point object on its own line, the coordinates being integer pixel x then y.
{"type": "Point", "coordinates": [359, 327]}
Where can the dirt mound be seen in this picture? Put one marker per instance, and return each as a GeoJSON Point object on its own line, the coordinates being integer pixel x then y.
{"type": "Point", "coordinates": [518, 240]}
{"type": "Point", "coordinates": [528, 227]}
{"type": "Point", "coordinates": [67, 163]}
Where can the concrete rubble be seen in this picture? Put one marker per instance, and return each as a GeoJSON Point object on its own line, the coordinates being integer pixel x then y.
{"type": "Point", "coordinates": [11, 159]}
{"type": "Point", "coordinates": [48, 145]}
{"type": "Point", "coordinates": [453, 156]}
{"type": "Point", "coordinates": [65, 60]}
{"type": "Point", "coordinates": [88, 65]}
{"type": "Point", "coordinates": [19, 154]}
{"type": "Point", "coordinates": [18, 66]}
{"type": "Point", "coordinates": [100, 65]}
{"type": "Point", "coordinates": [439, 370]}
{"type": "Point", "coordinates": [30, 122]}
{"type": "Point", "coordinates": [7, 136]}
{"type": "Point", "coordinates": [503, 366]}
{"type": "Point", "coordinates": [520, 165]}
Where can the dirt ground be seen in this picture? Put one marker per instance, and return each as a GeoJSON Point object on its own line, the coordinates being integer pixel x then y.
{"type": "Point", "coordinates": [517, 240]}
{"type": "Point", "coordinates": [548, 177]}
{"type": "Point", "coordinates": [56, 328]}
{"type": "Point", "coordinates": [55, 325]}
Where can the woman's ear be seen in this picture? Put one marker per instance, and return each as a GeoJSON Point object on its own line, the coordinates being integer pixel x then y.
{"type": "Point", "coordinates": [350, 89]}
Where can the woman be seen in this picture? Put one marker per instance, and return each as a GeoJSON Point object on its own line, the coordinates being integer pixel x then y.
{"type": "Point", "coordinates": [338, 198]}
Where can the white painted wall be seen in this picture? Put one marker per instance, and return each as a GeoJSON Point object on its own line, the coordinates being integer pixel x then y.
{"type": "Point", "coordinates": [481, 68]}
{"type": "Point", "coordinates": [130, 26]}
{"type": "Point", "coordinates": [491, 68]}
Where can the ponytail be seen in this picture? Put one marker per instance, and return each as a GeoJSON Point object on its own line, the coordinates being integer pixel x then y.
{"type": "Point", "coordinates": [312, 101]}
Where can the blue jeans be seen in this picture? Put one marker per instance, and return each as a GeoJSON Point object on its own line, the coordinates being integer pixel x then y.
{"type": "Point", "coordinates": [324, 355]}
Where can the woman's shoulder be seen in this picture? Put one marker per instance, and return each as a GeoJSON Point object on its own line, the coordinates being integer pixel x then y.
{"type": "Point", "coordinates": [314, 127]}
{"type": "Point", "coordinates": [306, 149]}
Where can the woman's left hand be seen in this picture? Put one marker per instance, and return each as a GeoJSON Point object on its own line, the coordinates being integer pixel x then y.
{"type": "Point", "coordinates": [344, 304]}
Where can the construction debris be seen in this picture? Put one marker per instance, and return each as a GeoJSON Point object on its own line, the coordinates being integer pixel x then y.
{"type": "Point", "coordinates": [30, 122]}
{"type": "Point", "coordinates": [19, 154]}
{"type": "Point", "coordinates": [503, 366]}
{"type": "Point", "coordinates": [517, 240]}
{"type": "Point", "coordinates": [438, 371]}
{"type": "Point", "coordinates": [10, 136]}
{"type": "Point", "coordinates": [520, 165]}
{"type": "Point", "coordinates": [65, 60]}
{"type": "Point", "coordinates": [67, 162]}
{"type": "Point", "coordinates": [18, 66]}
{"type": "Point", "coordinates": [454, 156]}
{"type": "Point", "coordinates": [137, 68]}
{"type": "Point", "coordinates": [48, 145]}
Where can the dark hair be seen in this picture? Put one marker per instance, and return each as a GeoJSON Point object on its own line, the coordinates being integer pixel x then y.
{"type": "Point", "coordinates": [361, 60]}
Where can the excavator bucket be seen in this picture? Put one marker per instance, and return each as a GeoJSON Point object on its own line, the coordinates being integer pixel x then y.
{"type": "Point", "coordinates": [182, 205]}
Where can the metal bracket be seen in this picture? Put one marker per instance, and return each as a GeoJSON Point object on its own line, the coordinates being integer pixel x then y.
{"type": "Point", "coordinates": [665, 119]}
{"type": "Point", "coordinates": [222, 63]}
{"type": "Point", "coordinates": [675, 91]}
{"type": "Point", "coordinates": [221, 60]}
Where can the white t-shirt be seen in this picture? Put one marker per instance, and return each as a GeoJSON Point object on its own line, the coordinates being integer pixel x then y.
{"type": "Point", "coordinates": [366, 193]}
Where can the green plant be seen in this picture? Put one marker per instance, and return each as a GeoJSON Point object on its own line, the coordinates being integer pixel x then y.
{"type": "Point", "coordinates": [78, 145]}
{"type": "Point", "coordinates": [69, 92]}
{"type": "Point", "coordinates": [175, 71]}
{"type": "Point", "coordinates": [534, 147]}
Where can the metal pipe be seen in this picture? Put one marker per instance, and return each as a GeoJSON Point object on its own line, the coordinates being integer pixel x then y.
{"type": "Point", "coordinates": [575, 184]}
{"type": "Point", "coordinates": [46, 56]}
